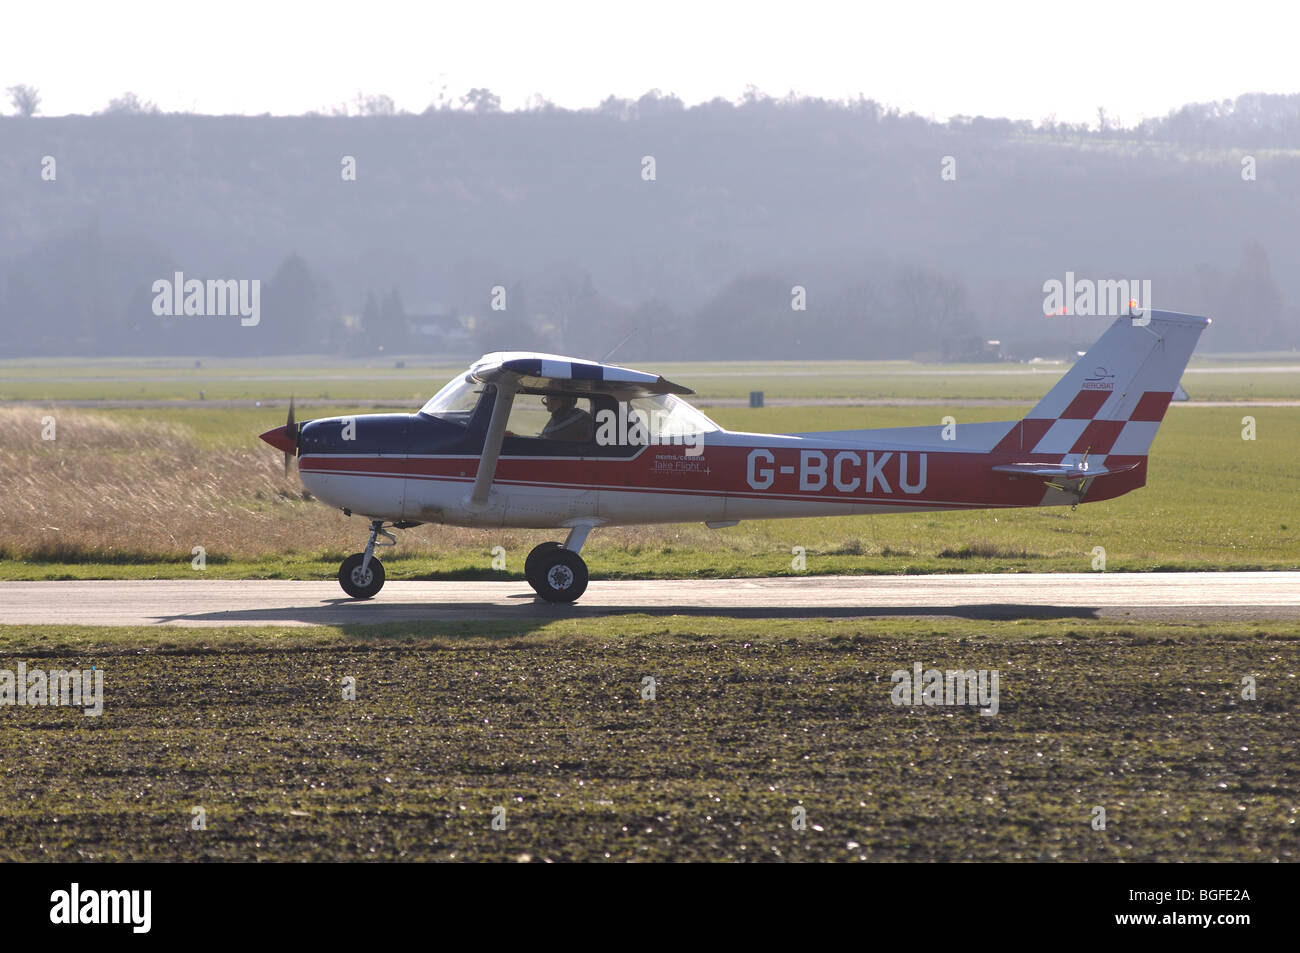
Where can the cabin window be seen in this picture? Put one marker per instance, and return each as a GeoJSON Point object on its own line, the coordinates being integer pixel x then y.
{"type": "Point", "coordinates": [560, 417]}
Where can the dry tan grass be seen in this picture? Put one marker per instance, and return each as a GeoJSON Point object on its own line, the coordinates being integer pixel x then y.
{"type": "Point", "coordinates": [138, 491]}
{"type": "Point", "coordinates": [117, 490]}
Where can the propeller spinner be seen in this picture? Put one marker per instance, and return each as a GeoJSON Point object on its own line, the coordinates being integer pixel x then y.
{"type": "Point", "coordinates": [285, 439]}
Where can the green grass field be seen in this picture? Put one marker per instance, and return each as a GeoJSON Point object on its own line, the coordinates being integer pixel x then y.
{"type": "Point", "coordinates": [129, 493]}
{"type": "Point", "coordinates": [750, 720]}
{"type": "Point", "coordinates": [319, 378]}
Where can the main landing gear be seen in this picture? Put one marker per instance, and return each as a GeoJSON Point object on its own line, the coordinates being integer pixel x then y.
{"type": "Point", "coordinates": [362, 574]}
{"type": "Point", "coordinates": [557, 573]}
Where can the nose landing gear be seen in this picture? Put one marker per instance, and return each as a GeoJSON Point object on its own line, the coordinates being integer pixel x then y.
{"type": "Point", "coordinates": [362, 574]}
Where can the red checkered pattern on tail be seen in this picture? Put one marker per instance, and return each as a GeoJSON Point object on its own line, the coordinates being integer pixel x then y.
{"type": "Point", "coordinates": [1074, 433]}
{"type": "Point", "coordinates": [1114, 397]}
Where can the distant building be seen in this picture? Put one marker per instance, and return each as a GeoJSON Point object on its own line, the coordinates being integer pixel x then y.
{"type": "Point", "coordinates": [440, 333]}
{"type": "Point", "coordinates": [971, 348]}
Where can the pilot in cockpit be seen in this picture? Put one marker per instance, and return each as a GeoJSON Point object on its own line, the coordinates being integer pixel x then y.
{"type": "Point", "coordinates": [568, 421]}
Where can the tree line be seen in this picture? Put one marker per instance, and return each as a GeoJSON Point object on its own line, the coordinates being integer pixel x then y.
{"type": "Point", "coordinates": [684, 231]}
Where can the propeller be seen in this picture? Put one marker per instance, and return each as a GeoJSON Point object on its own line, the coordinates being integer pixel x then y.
{"type": "Point", "coordinates": [285, 439]}
{"type": "Point", "coordinates": [291, 430]}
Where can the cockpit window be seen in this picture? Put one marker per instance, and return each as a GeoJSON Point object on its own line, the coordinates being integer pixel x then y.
{"type": "Point", "coordinates": [670, 416]}
{"type": "Point", "coordinates": [455, 402]}
{"type": "Point", "coordinates": [552, 416]}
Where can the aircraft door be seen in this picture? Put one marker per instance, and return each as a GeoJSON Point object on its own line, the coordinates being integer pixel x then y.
{"type": "Point", "coordinates": [547, 460]}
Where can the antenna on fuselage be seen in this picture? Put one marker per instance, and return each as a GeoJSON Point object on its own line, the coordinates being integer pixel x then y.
{"type": "Point", "coordinates": [619, 345]}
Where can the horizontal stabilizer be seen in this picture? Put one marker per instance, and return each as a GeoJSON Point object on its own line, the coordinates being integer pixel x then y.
{"type": "Point", "coordinates": [1063, 471]}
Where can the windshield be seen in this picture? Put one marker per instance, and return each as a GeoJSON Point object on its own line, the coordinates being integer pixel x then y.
{"type": "Point", "coordinates": [455, 402]}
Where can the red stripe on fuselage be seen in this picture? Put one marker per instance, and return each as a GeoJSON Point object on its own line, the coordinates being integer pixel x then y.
{"type": "Point", "coordinates": [947, 479]}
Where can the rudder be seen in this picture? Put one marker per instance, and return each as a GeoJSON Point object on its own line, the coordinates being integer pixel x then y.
{"type": "Point", "coordinates": [1114, 397]}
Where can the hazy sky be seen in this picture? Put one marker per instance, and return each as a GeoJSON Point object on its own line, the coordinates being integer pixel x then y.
{"type": "Point", "coordinates": [1024, 60]}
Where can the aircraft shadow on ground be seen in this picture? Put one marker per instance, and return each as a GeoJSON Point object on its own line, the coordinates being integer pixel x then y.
{"type": "Point", "coordinates": [346, 613]}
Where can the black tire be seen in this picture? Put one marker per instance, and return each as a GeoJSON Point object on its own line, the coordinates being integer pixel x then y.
{"type": "Point", "coordinates": [354, 584]}
{"type": "Point", "coordinates": [561, 575]}
{"type": "Point", "coordinates": [530, 564]}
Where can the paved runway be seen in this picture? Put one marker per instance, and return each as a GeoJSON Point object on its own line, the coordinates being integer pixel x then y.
{"type": "Point", "coordinates": [1173, 596]}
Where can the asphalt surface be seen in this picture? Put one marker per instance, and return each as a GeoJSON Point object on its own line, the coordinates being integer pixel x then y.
{"type": "Point", "coordinates": [1138, 596]}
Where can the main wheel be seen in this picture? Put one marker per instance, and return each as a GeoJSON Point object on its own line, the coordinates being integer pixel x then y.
{"type": "Point", "coordinates": [561, 575]}
{"type": "Point", "coordinates": [357, 584]}
{"type": "Point", "coordinates": [530, 564]}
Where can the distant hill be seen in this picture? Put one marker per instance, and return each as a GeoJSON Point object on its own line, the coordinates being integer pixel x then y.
{"type": "Point", "coordinates": [556, 208]}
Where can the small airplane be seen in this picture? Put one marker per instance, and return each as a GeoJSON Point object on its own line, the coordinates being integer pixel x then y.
{"type": "Point", "coordinates": [611, 446]}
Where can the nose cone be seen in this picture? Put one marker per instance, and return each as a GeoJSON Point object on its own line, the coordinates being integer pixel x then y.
{"type": "Point", "coordinates": [281, 439]}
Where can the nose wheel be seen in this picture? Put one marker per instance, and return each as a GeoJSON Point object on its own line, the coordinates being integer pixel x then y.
{"type": "Point", "coordinates": [362, 574]}
{"type": "Point", "coordinates": [359, 580]}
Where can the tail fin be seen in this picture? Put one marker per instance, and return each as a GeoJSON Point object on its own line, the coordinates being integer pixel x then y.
{"type": "Point", "coordinates": [1115, 396]}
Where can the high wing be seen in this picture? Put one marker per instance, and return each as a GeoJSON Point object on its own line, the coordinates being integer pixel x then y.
{"type": "Point", "coordinates": [533, 371]}
{"type": "Point", "coordinates": [514, 371]}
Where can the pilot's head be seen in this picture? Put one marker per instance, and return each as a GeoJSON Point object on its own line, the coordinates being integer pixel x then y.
{"type": "Point", "coordinates": [558, 403]}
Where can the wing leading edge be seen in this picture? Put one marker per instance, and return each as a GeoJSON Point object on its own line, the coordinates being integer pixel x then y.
{"type": "Point", "coordinates": [547, 371]}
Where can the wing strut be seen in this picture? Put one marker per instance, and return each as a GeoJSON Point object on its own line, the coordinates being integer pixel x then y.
{"type": "Point", "coordinates": [487, 464]}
